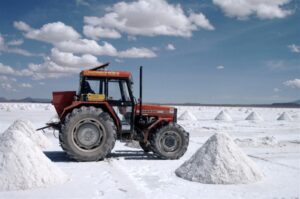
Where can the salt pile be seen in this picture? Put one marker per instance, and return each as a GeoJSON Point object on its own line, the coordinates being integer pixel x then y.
{"type": "Point", "coordinates": [187, 115]}
{"type": "Point", "coordinates": [24, 165]}
{"type": "Point", "coordinates": [220, 161]}
{"type": "Point", "coordinates": [254, 117]}
{"type": "Point", "coordinates": [223, 116]}
{"type": "Point", "coordinates": [285, 117]}
{"type": "Point", "coordinates": [27, 128]}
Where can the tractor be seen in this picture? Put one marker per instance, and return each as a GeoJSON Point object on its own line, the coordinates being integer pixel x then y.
{"type": "Point", "coordinates": [104, 110]}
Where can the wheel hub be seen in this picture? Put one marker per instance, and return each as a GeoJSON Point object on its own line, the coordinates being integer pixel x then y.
{"type": "Point", "coordinates": [170, 141]}
{"type": "Point", "coordinates": [88, 134]}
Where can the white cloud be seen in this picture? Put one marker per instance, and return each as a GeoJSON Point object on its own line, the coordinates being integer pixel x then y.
{"type": "Point", "coordinates": [86, 46]}
{"type": "Point", "coordinates": [25, 85]}
{"type": "Point", "coordinates": [2, 43]}
{"type": "Point", "coordinates": [20, 25]}
{"type": "Point", "coordinates": [70, 60]}
{"type": "Point", "coordinates": [6, 70]}
{"type": "Point", "coordinates": [220, 67]}
{"type": "Point", "coordinates": [294, 48]}
{"type": "Point", "coordinates": [276, 90]}
{"type": "Point", "coordinates": [99, 32]}
{"type": "Point", "coordinates": [3, 78]}
{"type": "Point", "coordinates": [137, 53]}
{"type": "Point", "coordinates": [7, 49]}
{"type": "Point", "coordinates": [15, 42]}
{"type": "Point", "coordinates": [7, 86]}
{"type": "Point", "coordinates": [263, 9]}
{"type": "Point", "coordinates": [50, 32]}
{"type": "Point", "coordinates": [149, 18]}
{"type": "Point", "coordinates": [295, 83]}
{"type": "Point", "coordinates": [170, 47]}
{"type": "Point", "coordinates": [82, 3]}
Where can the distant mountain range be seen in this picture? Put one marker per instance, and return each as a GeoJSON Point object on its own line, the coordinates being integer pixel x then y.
{"type": "Point", "coordinates": [26, 100]}
{"type": "Point", "coordinates": [294, 104]}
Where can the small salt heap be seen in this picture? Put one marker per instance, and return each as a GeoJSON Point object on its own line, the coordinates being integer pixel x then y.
{"type": "Point", "coordinates": [223, 116]}
{"type": "Point", "coordinates": [284, 117]}
{"type": "Point", "coordinates": [187, 115]}
{"type": "Point", "coordinates": [253, 116]}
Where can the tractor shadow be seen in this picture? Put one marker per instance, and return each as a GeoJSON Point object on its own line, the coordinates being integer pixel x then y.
{"type": "Point", "coordinates": [58, 156]}
{"type": "Point", "coordinates": [61, 156]}
{"type": "Point", "coordinates": [133, 155]}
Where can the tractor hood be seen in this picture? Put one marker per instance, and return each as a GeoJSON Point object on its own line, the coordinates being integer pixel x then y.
{"type": "Point", "coordinates": [156, 110]}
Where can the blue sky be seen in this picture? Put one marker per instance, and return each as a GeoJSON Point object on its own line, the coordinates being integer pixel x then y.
{"type": "Point", "coordinates": [192, 51]}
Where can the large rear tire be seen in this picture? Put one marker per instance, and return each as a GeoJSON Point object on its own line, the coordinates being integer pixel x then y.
{"type": "Point", "coordinates": [88, 134]}
{"type": "Point", "coordinates": [170, 141]}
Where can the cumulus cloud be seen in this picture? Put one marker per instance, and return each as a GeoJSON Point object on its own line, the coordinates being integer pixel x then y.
{"type": "Point", "coordinates": [170, 47]}
{"type": "Point", "coordinates": [65, 39]}
{"type": "Point", "coordinates": [71, 60]}
{"type": "Point", "coordinates": [263, 9]}
{"type": "Point", "coordinates": [99, 32]}
{"type": "Point", "coordinates": [137, 53]}
{"type": "Point", "coordinates": [220, 67]}
{"type": "Point", "coordinates": [50, 32]}
{"type": "Point", "coordinates": [15, 42]}
{"type": "Point", "coordinates": [25, 85]}
{"type": "Point", "coordinates": [295, 83]}
{"type": "Point", "coordinates": [294, 48]}
{"type": "Point", "coordinates": [6, 70]}
{"type": "Point", "coordinates": [5, 47]}
{"type": "Point", "coordinates": [147, 18]}
{"type": "Point", "coordinates": [87, 46]}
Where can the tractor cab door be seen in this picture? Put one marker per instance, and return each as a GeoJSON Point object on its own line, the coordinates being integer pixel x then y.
{"type": "Point", "coordinates": [120, 98]}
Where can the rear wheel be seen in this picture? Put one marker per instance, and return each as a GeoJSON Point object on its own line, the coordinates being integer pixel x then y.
{"type": "Point", "coordinates": [170, 141]}
{"type": "Point", "coordinates": [88, 134]}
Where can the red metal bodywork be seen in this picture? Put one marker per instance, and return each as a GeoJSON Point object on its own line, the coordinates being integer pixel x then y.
{"type": "Point", "coordinates": [64, 103]}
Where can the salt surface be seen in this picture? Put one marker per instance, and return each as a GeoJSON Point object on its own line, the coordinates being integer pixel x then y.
{"type": "Point", "coordinates": [187, 115]}
{"type": "Point", "coordinates": [220, 161]}
{"type": "Point", "coordinates": [223, 116]}
{"type": "Point", "coordinates": [23, 165]}
{"type": "Point", "coordinates": [28, 129]}
{"type": "Point", "coordinates": [257, 142]}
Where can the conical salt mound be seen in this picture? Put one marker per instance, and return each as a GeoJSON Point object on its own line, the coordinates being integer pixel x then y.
{"type": "Point", "coordinates": [223, 116]}
{"type": "Point", "coordinates": [253, 116]}
{"type": "Point", "coordinates": [220, 161]}
{"type": "Point", "coordinates": [284, 116]}
{"type": "Point", "coordinates": [27, 128]}
{"type": "Point", "coordinates": [187, 115]}
{"type": "Point", "coordinates": [23, 165]}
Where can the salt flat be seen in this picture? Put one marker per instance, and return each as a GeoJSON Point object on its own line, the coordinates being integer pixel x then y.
{"type": "Point", "coordinates": [129, 173]}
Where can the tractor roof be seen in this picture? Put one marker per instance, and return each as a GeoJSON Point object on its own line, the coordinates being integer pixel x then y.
{"type": "Point", "coordinates": [100, 72]}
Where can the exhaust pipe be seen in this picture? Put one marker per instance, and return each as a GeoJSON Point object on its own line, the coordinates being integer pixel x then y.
{"type": "Point", "coordinates": [141, 89]}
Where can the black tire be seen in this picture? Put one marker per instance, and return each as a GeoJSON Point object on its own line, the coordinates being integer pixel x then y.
{"type": "Point", "coordinates": [170, 141]}
{"type": "Point", "coordinates": [145, 146]}
{"type": "Point", "coordinates": [88, 134]}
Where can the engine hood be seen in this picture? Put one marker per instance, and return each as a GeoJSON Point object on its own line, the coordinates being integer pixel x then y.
{"type": "Point", "coordinates": [150, 109]}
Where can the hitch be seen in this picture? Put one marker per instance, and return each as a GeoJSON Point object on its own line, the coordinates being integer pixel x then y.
{"type": "Point", "coordinates": [54, 125]}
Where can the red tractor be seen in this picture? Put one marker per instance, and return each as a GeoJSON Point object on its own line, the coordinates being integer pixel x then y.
{"type": "Point", "coordinates": [104, 110]}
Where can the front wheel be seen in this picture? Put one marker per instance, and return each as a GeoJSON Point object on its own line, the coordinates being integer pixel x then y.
{"type": "Point", "coordinates": [170, 141]}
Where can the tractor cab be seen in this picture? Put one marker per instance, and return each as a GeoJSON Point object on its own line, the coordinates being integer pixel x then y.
{"type": "Point", "coordinates": [113, 87]}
